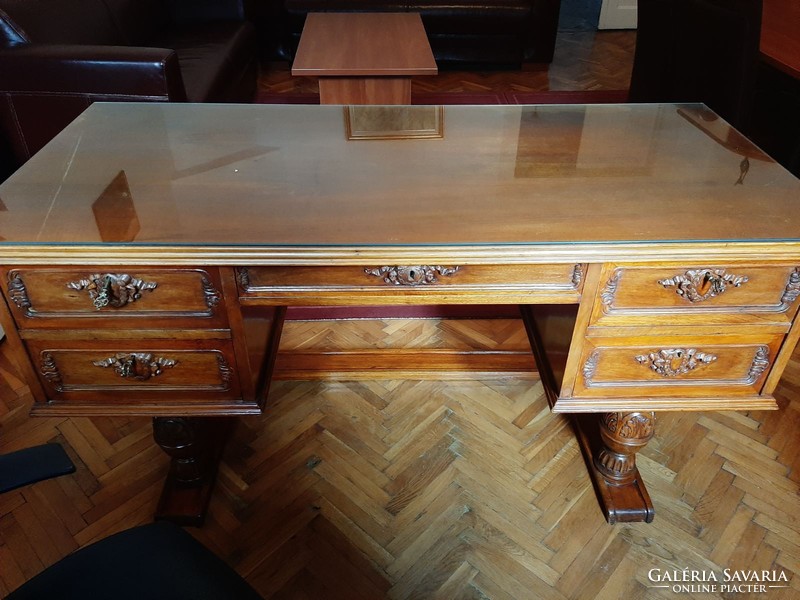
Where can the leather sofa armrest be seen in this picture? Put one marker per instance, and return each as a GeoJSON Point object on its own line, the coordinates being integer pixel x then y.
{"type": "Point", "coordinates": [129, 73]}
{"type": "Point", "coordinates": [188, 11]}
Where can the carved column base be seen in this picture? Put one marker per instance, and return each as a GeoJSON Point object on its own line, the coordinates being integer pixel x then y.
{"type": "Point", "coordinates": [616, 468]}
{"type": "Point", "coordinates": [610, 452]}
{"type": "Point", "coordinates": [195, 445]}
{"type": "Point", "coordinates": [622, 435]}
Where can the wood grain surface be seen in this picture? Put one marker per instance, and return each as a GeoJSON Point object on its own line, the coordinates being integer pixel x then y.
{"type": "Point", "coordinates": [780, 35]}
{"type": "Point", "coordinates": [334, 44]}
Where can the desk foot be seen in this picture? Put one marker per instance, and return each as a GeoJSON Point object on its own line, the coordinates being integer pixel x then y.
{"type": "Point", "coordinates": [610, 453]}
{"type": "Point", "coordinates": [195, 445]}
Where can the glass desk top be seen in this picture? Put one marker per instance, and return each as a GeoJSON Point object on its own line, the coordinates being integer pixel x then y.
{"type": "Point", "coordinates": [283, 175]}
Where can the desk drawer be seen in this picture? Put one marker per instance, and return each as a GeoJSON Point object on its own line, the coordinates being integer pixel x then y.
{"type": "Point", "coordinates": [633, 295]}
{"type": "Point", "coordinates": [126, 297]}
{"type": "Point", "coordinates": [683, 366]}
{"type": "Point", "coordinates": [125, 372]}
{"type": "Point", "coordinates": [403, 284]}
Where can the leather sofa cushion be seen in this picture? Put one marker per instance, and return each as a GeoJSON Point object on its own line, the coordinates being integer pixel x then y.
{"type": "Point", "coordinates": [306, 6]}
{"type": "Point", "coordinates": [490, 17]}
{"type": "Point", "coordinates": [185, 11]}
{"type": "Point", "coordinates": [66, 23]}
{"type": "Point", "coordinates": [503, 9]}
{"type": "Point", "coordinates": [138, 20]}
{"type": "Point", "coordinates": [210, 56]}
{"type": "Point", "coordinates": [460, 49]}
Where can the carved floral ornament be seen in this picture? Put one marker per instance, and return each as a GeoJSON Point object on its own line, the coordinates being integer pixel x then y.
{"type": "Point", "coordinates": [243, 277]}
{"type": "Point", "coordinates": [140, 366]}
{"type": "Point", "coordinates": [610, 289]}
{"type": "Point", "coordinates": [210, 293]}
{"type": "Point", "coordinates": [578, 273]}
{"type": "Point", "coordinates": [411, 275]}
{"type": "Point", "coordinates": [698, 285]}
{"type": "Point", "coordinates": [792, 290]}
{"type": "Point", "coordinates": [136, 365]}
{"type": "Point", "coordinates": [116, 290]}
{"type": "Point", "coordinates": [634, 425]}
{"type": "Point", "coordinates": [17, 291]}
{"type": "Point", "coordinates": [225, 370]}
{"type": "Point", "coordinates": [49, 370]}
{"type": "Point", "coordinates": [759, 364]}
{"type": "Point", "coordinates": [590, 367]}
{"type": "Point", "coordinates": [674, 362]}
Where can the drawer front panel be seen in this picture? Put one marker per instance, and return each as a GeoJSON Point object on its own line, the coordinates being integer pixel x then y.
{"type": "Point", "coordinates": [128, 296]}
{"type": "Point", "coordinates": [409, 281]}
{"type": "Point", "coordinates": [675, 366]}
{"type": "Point", "coordinates": [121, 372]}
{"type": "Point", "coordinates": [640, 294]}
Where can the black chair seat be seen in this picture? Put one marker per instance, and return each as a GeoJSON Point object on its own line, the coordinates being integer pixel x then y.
{"type": "Point", "coordinates": [30, 465]}
{"type": "Point", "coordinates": [158, 561]}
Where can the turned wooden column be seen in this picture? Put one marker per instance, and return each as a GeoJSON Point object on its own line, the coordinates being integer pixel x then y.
{"type": "Point", "coordinates": [186, 441]}
{"type": "Point", "coordinates": [622, 434]}
{"type": "Point", "coordinates": [609, 442]}
{"type": "Point", "coordinates": [195, 445]}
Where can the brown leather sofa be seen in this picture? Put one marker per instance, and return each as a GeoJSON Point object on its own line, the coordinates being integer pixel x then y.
{"type": "Point", "coordinates": [59, 56]}
{"type": "Point", "coordinates": [462, 33]}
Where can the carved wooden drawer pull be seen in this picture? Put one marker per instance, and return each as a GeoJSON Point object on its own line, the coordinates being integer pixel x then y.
{"type": "Point", "coordinates": [136, 365]}
{"type": "Point", "coordinates": [112, 290]}
{"type": "Point", "coordinates": [674, 362]}
{"type": "Point", "coordinates": [697, 285]}
{"type": "Point", "coordinates": [411, 275]}
{"type": "Point", "coordinates": [792, 291]}
{"type": "Point", "coordinates": [17, 291]}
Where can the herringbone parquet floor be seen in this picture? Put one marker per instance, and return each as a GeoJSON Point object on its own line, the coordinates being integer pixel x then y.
{"type": "Point", "coordinates": [427, 488]}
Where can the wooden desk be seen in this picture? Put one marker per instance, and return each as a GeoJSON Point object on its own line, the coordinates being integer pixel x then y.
{"type": "Point", "coordinates": [364, 58]}
{"type": "Point", "coordinates": [780, 35]}
{"type": "Point", "coordinates": [150, 250]}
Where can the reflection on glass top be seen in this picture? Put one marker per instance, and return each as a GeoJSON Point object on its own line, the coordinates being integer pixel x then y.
{"type": "Point", "coordinates": [282, 175]}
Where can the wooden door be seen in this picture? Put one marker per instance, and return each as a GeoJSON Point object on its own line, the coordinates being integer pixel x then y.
{"type": "Point", "coordinates": [618, 14]}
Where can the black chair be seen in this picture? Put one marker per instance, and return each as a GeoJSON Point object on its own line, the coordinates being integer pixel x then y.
{"type": "Point", "coordinates": [27, 466]}
{"type": "Point", "coordinates": [30, 465]}
{"type": "Point", "coordinates": [150, 562]}
{"type": "Point", "coordinates": [698, 51]}
{"type": "Point", "coordinates": [158, 561]}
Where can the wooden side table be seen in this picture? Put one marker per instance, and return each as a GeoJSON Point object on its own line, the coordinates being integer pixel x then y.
{"type": "Point", "coordinates": [364, 58]}
{"type": "Point", "coordinates": [780, 36]}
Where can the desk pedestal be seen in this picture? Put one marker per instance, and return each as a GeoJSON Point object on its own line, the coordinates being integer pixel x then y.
{"type": "Point", "coordinates": [609, 446]}
{"type": "Point", "coordinates": [195, 446]}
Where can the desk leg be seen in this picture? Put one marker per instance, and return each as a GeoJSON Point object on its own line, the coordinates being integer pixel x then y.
{"type": "Point", "coordinates": [195, 445]}
{"type": "Point", "coordinates": [611, 454]}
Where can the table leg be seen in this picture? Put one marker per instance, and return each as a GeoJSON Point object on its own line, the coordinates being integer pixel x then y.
{"type": "Point", "coordinates": [365, 90]}
{"type": "Point", "coordinates": [610, 450]}
{"type": "Point", "coordinates": [195, 445]}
